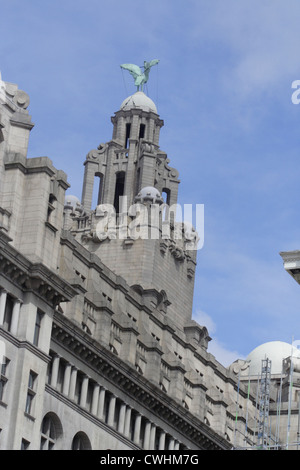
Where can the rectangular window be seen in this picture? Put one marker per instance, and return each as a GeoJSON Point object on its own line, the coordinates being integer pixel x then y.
{"type": "Point", "coordinates": [51, 206]}
{"type": "Point", "coordinates": [3, 381]}
{"type": "Point", "coordinates": [3, 378]}
{"type": "Point", "coordinates": [119, 190]}
{"type": "Point", "coordinates": [4, 366]}
{"type": "Point", "coordinates": [142, 131]}
{"type": "Point", "coordinates": [30, 392]}
{"type": "Point", "coordinates": [37, 328]}
{"type": "Point", "coordinates": [128, 128]}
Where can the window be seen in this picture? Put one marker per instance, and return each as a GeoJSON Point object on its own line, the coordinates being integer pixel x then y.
{"type": "Point", "coordinates": [128, 127]}
{"type": "Point", "coordinates": [48, 435]}
{"type": "Point", "coordinates": [81, 442]}
{"type": "Point", "coordinates": [3, 378]}
{"type": "Point", "coordinates": [142, 131]}
{"type": "Point", "coordinates": [98, 189]}
{"type": "Point", "coordinates": [51, 432]}
{"type": "Point", "coordinates": [30, 392]}
{"type": "Point", "coordinates": [24, 444]}
{"type": "Point", "coordinates": [51, 206]}
{"type": "Point", "coordinates": [37, 328]}
{"type": "Point", "coordinates": [166, 195]}
{"type": "Point", "coordinates": [119, 190]}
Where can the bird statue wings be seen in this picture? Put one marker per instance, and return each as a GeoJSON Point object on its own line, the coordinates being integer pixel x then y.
{"type": "Point", "coordinates": [140, 77]}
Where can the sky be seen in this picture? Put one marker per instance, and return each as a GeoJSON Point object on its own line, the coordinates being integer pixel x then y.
{"type": "Point", "coordinates": [223, 87]}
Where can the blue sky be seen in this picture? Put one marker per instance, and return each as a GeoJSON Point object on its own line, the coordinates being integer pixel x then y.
{"type": "Point", "coordinates": [223, 89]}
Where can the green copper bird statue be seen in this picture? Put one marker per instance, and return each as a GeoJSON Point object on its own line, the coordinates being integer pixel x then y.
{"type": "Point", "coordinates": [140, 77]}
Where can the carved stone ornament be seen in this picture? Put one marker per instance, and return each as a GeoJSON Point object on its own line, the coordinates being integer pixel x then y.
{"type": "Point", "coordinates": [19, 97]}
{"type": "Point", "coordinates": [95, 153]}
{"type": "Point", "coordinates": [177, 252]}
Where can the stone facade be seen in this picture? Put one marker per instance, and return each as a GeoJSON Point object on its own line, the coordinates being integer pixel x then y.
{"type": "Point", "coordinates": [97, 342]}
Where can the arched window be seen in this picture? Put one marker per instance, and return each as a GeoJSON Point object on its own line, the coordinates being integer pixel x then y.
{"type": "Point", "coordinates": [119, 190]}
{"type": "Point", "coordinates": [81, 442]}
{"type": "Point", "coordinates": [97, 189]}
{"type": "Point", "coordinates": [166, 195]}
{"type": "Point", "coordinates": [51, 431]}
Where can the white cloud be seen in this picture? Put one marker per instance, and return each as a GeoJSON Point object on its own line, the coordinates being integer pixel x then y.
{"type": "Point", "coordinates": [250, 299]}
{"type": "Point", "coordinates": [215, 347]}
{"type": "Point", "coordinates": [222, 353]}
{"type": "Point", "coordinates": [258, 40]}
{"type": "Point", "coordinates": [205, 320]}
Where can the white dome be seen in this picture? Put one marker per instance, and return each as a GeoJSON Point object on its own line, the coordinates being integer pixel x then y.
{"type": "Point", "coordinates": [139, 100]}
{"type": "Point", "coordinates": [72, 202]}
{"type": "Point", "coordinates": [276, 351]}
{"type": "Point", "coordinates": [149, 193]}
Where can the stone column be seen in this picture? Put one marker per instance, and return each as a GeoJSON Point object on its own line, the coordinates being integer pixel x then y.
{"type": "Point", "coordinates": [152, 437]}
{"type": "Point", "coordinates": [84, 389]}
{"type": "Point", "coordinates": [176, 446]}
{"type": "Point", "coordinates": [54, 373]}
{"type": "Point", "coordinates": [3, 296]}
{"type": "Point", "coordinates": [146, 445]}
{"type": "Point", "coordinates": [66, 382]}
{"type": "Point", "coordinates": [15, 317]}
{"type": "Point", "coordinates": [73, 383]}
{"type": "Point", "coordinates": [101, 402]}
{"type": "Point", "coordinates": [88, 184]}
{"type": "Point", "coordinates": [151, 130]}
{"type": "Point", "coordinates": [137, 429]}
{"type": "Point", "coordinates": [95, 399]}
{"type": "Point", "coordinates": [171, 444]}
{"type": "Point", "coordinates": [111, 410]}
{"type": "Point", "coordinates": [127, 421]}
{"type": "Point", "coordinates": [121, 423]}
{"type": "Point", "coordinates": [162, 440]}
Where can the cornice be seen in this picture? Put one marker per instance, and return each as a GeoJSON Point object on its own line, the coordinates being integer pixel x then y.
{"type": "Point", "coordinates": [24, 344]}
{"type": "Point", "coordinates": [30, 276]}
{"type": "Point", "coordinates": [123, 376]}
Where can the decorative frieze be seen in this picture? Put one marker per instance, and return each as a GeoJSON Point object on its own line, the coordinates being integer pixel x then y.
{"type": "Point", "coordinates": [121, 375]}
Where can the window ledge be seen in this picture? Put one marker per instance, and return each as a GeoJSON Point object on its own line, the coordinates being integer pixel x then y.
{"type": "Point", "coordinates": [29, 416]}
{"type": "Point", "coordinates": [51, 227]}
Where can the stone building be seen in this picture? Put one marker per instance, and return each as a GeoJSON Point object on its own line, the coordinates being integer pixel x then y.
{"type": "Point", "coordinates": [98, 347]}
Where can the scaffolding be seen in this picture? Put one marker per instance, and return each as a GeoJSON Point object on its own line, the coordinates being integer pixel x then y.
{"type": "Point", "coordinates": [263, 438]}
{"type": "Point", "coordinates": [264, 404]}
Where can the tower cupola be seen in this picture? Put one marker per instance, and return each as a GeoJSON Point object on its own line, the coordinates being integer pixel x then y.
{"type": "Point", "coordinates": [131, 161]}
